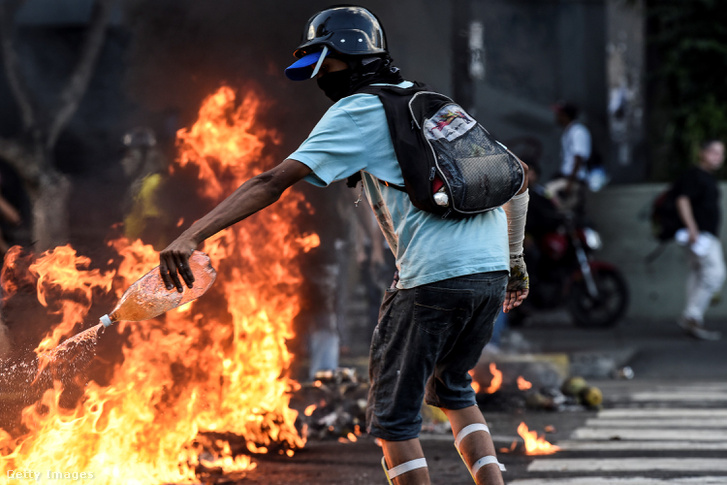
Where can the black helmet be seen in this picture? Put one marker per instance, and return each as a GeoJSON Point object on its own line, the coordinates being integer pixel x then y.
{"type": "Point", "coordinates": [348, 30]}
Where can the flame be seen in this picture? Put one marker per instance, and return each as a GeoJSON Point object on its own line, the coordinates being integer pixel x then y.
{"type": "Point", "coordinates": [535, 445]}
{"type": "Point", "coordinates": [220, 138]}
{"type": "Point", "coordinates": [308, 242]}
{"type": "Point", "coordinates": [62, 272]}
{"type": "Point", "coordinates": [226, 461]}
{"type": "Point", "coordinates": [475, 384]}
{"type": "Point", "coordinates": [309, 409]}
{"type": "Point", "coordinates": [523, 384]}
{"type": "Point", "coordinates": [496, 381]}
{"type": "Point", "coordinates": [349, 438]}
{"type": "Point", "coordinates": [218, 365]}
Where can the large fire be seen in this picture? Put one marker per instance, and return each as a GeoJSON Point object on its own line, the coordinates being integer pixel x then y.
{"type": "Point", "coordinates": [219, 367]}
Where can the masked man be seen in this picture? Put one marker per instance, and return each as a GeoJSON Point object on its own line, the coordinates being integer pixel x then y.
{"type": "Point", "coordinates": [453, 273]}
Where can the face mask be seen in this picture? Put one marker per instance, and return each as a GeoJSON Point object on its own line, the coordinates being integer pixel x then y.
{"type": "Point", "coordinates": [335, 84]}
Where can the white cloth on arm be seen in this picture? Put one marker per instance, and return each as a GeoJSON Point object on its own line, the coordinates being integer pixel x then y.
{"type": "Point", "coordinates": [516, 210]}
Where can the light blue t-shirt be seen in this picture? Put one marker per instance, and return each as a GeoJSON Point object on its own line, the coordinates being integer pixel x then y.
{"type": "Point", "coordinates": [353, 136]}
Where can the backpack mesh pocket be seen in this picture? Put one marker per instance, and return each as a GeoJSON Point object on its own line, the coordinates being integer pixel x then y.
{"type": "Point", "coordinates": [479, 171]}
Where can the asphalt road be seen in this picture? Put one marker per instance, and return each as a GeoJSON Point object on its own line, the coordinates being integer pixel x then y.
{"type": "Point", "coordinates": [664, 426]}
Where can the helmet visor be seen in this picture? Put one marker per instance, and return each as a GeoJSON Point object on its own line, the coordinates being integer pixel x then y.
{"type": "Point", "coordinates": [307, 66]}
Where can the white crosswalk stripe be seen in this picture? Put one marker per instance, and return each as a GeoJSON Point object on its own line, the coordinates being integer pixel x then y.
{"type": "Point", "coordinates": [622, 481]}
{"type": "Point", "coordinates": [637, 432]}
{"type": "Point", "coordinates": [630, 464]}
{"type": "Point", "coordinates": [633, 445]}
{"type": "Point", "coordinates": [659, 434]}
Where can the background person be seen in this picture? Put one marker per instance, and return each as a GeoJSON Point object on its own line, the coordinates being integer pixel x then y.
{"type": "Point", "coordinates": [143, 164]}
{"type": "Point", "coordinates": [697, 199]}
{"type": "Point", "coordinates": [575, 151]}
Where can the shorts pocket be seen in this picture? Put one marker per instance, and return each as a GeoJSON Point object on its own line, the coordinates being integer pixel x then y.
{"type": "Point", "coordinates": [436, 310]}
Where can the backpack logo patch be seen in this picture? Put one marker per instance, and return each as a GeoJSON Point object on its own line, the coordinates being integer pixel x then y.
{"type": "Point", "coordinates": [449, 123]}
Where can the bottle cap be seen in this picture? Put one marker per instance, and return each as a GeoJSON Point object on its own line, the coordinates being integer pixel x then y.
{"type": "Point", "coordinates": [441, 199]}
{"type": "Point", "coordinates": [106, 321]}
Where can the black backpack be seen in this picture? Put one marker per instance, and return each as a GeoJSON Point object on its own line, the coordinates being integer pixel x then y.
{"type": "Point", "coordinates": [665, 221]}
{"type": "Point", "coordinates": [445, 154]}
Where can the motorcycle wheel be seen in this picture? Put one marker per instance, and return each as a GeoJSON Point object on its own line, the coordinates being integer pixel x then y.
{"type": "Point", "coordinates": [605, 310]}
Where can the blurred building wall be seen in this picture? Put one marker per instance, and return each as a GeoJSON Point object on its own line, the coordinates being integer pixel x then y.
{"type": "Point", "coordinates": [625, 73]}
{"type": "Point", "coordinates": [534, 52]}
{"type": "Point", "coordinates": [164, 56]}
{"type": "Point", "coordinates": [590, 52]}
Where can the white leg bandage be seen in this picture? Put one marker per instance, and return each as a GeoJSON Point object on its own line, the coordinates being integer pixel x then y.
{"type": "Point", "coordinates": [405, 467]}
{"type": "Point", "coordinates": [469, 429]}
{"type": "Point", "coordinates": [485, 460]}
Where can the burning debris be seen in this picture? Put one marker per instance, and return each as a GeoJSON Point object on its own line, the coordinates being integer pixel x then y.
{"type": "Point", "coordinates": [510, 393]}
{"type": "Point", "coordinates": [534, 444]}
{"type": "Point", "coordinates": [183, 385]}
{"type": "Point", "coordinates": [338, 409]}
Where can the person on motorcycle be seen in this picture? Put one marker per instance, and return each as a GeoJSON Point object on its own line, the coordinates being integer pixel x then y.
{"type": "Point", "coordinates": [544, 217]}
{"type": "Point", "coordinates": [558, 252]}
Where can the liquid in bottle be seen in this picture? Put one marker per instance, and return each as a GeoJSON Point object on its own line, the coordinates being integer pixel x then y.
{"type": "Point", "coordinates": [148, 297]}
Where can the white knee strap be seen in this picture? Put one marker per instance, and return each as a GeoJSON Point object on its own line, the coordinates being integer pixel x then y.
{"type": "Point", "coordinates": [405, 467]}
{"type": "Point", "coordinates": [486, 460]}
{"type": "Point", "coordinates": [469, 429]}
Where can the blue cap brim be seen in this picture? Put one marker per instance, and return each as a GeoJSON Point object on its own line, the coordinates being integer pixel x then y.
{"type": "Point", "coordinates": [302, 69]}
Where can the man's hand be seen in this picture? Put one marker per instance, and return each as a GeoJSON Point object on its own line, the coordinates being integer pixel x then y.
{"type": "Point", "coordinates": [518, 286]}
{"type": "Point", "coordinates": [174, 262]}
{"type": "Point", "coordinates": [514, 299]}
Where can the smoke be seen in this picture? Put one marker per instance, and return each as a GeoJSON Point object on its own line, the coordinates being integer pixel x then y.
{"type": "Point", "coordinates": [4, 341]}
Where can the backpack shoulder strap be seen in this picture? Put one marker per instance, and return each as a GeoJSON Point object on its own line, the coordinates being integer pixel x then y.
{"type": "Point", "coordinates": [390, 89]}
{"type": "Point", "coordinates": [395, 100]}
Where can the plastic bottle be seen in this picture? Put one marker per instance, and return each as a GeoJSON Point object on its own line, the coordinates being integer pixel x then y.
{"type": "Point", "coordinates": [148, 297]}
{"type": "Point", "coordinates": [441, 198]}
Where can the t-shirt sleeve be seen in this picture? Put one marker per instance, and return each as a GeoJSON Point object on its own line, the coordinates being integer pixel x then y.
{"type": "Point", "coordinates": [333, 149]}
{"type": "Point", "coordinates": [687, 185]}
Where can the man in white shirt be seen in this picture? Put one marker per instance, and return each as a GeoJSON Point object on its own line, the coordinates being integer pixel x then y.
{"type": "Point", "coordinates": [575, 150]}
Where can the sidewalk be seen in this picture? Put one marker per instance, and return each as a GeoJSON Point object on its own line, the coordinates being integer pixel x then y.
{"type": "Point", "coordinates": [553, 341]}
{"type": "Point", "coordinates": [652, 348]}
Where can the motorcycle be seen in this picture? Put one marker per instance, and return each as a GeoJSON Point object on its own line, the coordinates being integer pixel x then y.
{"type": "Point", "coordinates": [565, 273]}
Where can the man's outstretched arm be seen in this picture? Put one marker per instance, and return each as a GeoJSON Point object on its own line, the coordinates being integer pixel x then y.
{"type": "Point", "coordinates": [252, 196]}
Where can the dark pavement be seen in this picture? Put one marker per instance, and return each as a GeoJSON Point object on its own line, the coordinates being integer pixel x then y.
{"type": "Point", "coordinates": [658, 352]}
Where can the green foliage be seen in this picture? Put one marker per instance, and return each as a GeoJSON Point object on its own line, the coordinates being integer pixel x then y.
{"type": "Point", "coordinates": [688, 41]}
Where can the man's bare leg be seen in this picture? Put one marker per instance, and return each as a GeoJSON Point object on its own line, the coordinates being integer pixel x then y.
{"type": "Point", "coordinates": [475, 445]}
{"type": "Point", "coordinates": [399, 452]}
